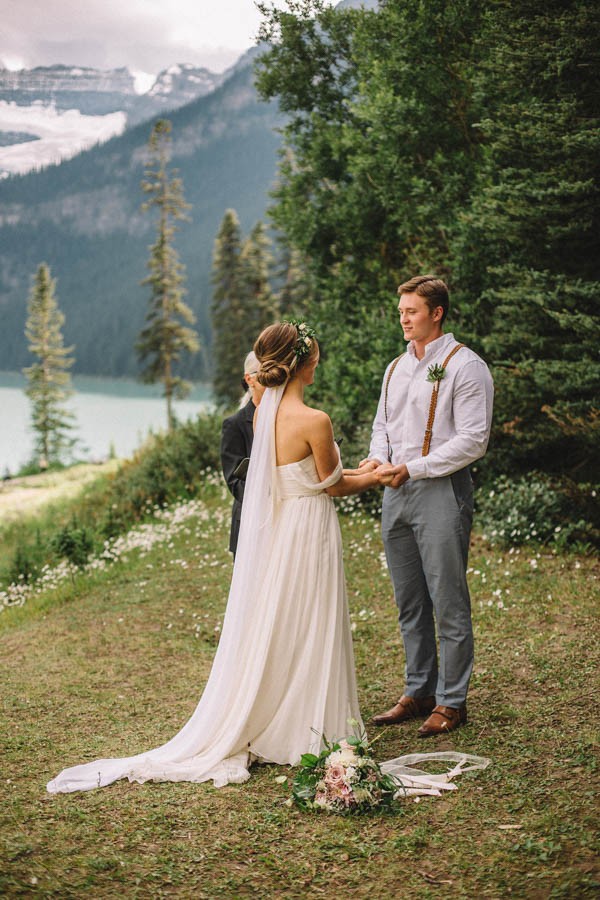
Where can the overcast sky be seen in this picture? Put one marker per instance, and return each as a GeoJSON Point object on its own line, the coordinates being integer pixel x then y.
{"type": "Point", "coordinates": [144, 35]}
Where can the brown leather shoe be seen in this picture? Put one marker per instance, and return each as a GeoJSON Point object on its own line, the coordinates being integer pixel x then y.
{"type": "Point", "coordinates": [442, 720]}
{"type": "Point", "coordinates": [405, 708]}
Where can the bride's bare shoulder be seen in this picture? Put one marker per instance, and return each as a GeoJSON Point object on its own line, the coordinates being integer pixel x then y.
{"type": "Point", "coordinates": [317, 415]}
{"type": "Point", "coordinates": [307, 418]}
{"type": "Point", "coordinates": [317, 419]}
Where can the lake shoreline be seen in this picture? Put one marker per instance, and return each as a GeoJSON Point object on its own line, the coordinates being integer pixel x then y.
{"type": "Point", "coordinates": [112, 417]}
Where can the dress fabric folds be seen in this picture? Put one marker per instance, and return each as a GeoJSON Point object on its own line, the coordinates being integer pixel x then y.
{"type": "Point", "coordinates": [283, 674]}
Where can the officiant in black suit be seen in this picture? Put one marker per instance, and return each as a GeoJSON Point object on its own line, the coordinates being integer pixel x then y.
{"type": "Point", "coordinates": [236, 443]}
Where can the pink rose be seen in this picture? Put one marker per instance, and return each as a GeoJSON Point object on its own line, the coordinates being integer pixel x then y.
{"type": "Point", "coordinates": [335, 776]}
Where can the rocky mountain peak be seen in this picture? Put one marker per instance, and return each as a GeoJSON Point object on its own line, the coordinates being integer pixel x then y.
{"type": "Point", "coordinates": [185, 81]}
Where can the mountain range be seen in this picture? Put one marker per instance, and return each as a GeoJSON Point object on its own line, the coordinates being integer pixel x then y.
{"type": "Point", "coordinates": [57, 111]}
{"type": "Point", "coordinates": [83, 218]}
{"type": "Point", "coordinates": [96, 92]}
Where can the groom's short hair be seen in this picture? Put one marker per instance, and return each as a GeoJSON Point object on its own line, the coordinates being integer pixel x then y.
{"type": "Point", "coordinates": [433, 290]}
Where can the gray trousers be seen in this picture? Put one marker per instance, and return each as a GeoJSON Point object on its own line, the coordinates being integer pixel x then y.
{"type": "Point", "coordinates": [426, 527]}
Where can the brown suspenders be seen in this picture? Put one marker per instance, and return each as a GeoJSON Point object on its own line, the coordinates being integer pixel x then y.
{"type": "Point", "coordinates": [385, 399]}
{"type": "Point", "coordinates": [432, 405]}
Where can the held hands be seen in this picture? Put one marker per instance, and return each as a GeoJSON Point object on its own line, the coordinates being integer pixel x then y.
{"type": "Point", "coordinates": [367, 465]}
{"type": "Point", "coordinates": [384, 473]}
{"type": "Point", "coordinates": [391, 476]}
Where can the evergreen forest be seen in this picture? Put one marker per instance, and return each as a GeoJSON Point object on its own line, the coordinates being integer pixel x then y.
{"type": "Point", "coordinates": [460, 139]}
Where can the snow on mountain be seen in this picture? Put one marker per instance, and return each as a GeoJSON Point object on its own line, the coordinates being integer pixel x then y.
{"type": "Point", "coordinates": [65, 109]}
{"type": "Point", "coordinates": [184, 81]}
{"type": "Point", "coordinates": [54, 135]}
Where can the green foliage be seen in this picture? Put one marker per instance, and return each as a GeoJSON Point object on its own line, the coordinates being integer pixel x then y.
{"type": "Point", "coordinates": [243, 302]}
{"type": "Point", "coordinates": [377, 160]}
{"type": "Point", "coordinates": [230, 331]}
{"type": "Point", "coordinates": [33, 468]}
{"type": "Point", "coordinates": [366, 787]}
{"type": "Point", "coordinates": [460, 139]}
{"type": "Point", "coordinates": [255, 265]}
{"type": "Point", "coordinates": [26, 563]}
{"type": "Point", "coordinates": [48, 379]}
{"type": "Point", "coordinates": [533, 233]}
{"type": "Point", "coordinates": [73, 543]}
{"type": "Point", "coordinates": [165, 337]}
{"type": "Point", "coordinates": [537, 509]}
{"type": "Point", "coordinates": [168, 467]}
{"type": "Point", "coordinates": [295, 289]}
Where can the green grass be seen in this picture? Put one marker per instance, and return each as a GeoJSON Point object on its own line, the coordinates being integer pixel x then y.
{"type": "Point", "coordinates": [115, 661]}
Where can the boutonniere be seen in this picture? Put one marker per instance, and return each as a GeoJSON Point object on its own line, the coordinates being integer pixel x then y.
{"type": "Point", "coordinates": [435, 373]}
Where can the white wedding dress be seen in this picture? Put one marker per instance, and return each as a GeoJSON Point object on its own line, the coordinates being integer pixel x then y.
{"type": "Point", "coordinates": [283, 674]}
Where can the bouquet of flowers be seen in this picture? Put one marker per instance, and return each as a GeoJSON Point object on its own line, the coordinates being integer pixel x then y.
{"type": "Point", "coordinates": [344, 778]}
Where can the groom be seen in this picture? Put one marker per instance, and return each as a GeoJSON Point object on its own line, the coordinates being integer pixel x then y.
{"type": "Point", "coordinates": [432, 422]}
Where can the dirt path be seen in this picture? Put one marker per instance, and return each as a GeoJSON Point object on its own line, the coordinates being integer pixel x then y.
{"type": "Point", "coordinates": [22, 496]}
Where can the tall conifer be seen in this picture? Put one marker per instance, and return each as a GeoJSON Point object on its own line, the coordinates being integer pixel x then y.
{"type": "Point", "coordinates": [533, 234]}
{"type": "Point", "coordinates": [165, 336]}
{"type": "Point", "coordinates": [259, 301]}
{"type": "Point", "coordinates": [229, 333]}
{"type": "Point", "coordinates": [243, 302]}
{"type": "Point", "coordinates": [48, 379]}
{"type": "Point", "coordinates": [295, 292]}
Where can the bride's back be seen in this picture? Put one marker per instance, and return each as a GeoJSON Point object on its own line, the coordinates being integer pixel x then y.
{"type": "Point", "coordinates": [294, 424]}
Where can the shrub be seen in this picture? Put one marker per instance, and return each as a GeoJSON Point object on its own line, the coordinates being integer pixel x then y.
{"type": "Point", "coordinates": [167, 468]}
{"type": "Point", "coordinates": [539, 508]}
{"type": "Point", "coordinates": [74, 543]}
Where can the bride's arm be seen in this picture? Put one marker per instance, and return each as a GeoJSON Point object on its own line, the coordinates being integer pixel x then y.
{"type": "Point", "coordinates": [326, 458]}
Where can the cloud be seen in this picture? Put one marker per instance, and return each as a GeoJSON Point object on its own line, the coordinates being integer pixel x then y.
{"type": "Point", "coordinates": [146, 35]}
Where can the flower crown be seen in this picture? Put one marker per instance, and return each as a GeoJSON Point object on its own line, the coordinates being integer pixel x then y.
{"type": "Point", "coordinates": [306, 335]}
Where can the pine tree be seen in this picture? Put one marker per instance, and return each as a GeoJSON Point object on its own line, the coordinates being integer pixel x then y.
{"type": "Point", "coordinates": [295, 291]}
{"type": "Point", "coordinates": [379, 158]}
{"type": "Point", "coordinates": [243, 303]}
{"type": "Point", "coordinates": [49, 382]}
{"type": "Point", "coordinates": [229, 338]}
{"type": "Point", "coordinates": [259, 302]}
{"type": "Point", "coordinates": [165, 336]}
{"type": "Point", "coordinates": [534, 230]}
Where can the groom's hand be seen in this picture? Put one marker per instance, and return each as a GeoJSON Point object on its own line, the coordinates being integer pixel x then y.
{"type": "Point", "coordinates": [392, 476]}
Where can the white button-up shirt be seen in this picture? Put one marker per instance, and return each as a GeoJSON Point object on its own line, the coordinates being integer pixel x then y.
{"type": "Point", "coordinates": [463, 417]}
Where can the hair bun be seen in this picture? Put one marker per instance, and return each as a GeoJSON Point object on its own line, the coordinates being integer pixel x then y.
{"type": "Point", "coordinates": [272, 373]}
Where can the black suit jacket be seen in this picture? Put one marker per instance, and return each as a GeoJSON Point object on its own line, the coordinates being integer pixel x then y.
{"type": "Point", "coordinates": [236, 443]}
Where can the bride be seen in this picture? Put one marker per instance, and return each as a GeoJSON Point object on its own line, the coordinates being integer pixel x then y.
{"type": "Point", "coordinates": [283, 674]}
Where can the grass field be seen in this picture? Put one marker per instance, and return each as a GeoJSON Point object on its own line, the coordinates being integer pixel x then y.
{"type": "Point", "coordinates": [112, 662]}
{"type": "Point", "coordinates": [27, 495]}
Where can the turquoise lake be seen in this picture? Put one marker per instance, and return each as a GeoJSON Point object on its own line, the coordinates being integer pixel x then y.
{"type": "Point", "coordinates": [109, 413]}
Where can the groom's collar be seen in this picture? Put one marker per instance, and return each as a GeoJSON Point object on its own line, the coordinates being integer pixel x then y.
{"type": "Point", "coordinates": [433, 347]}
